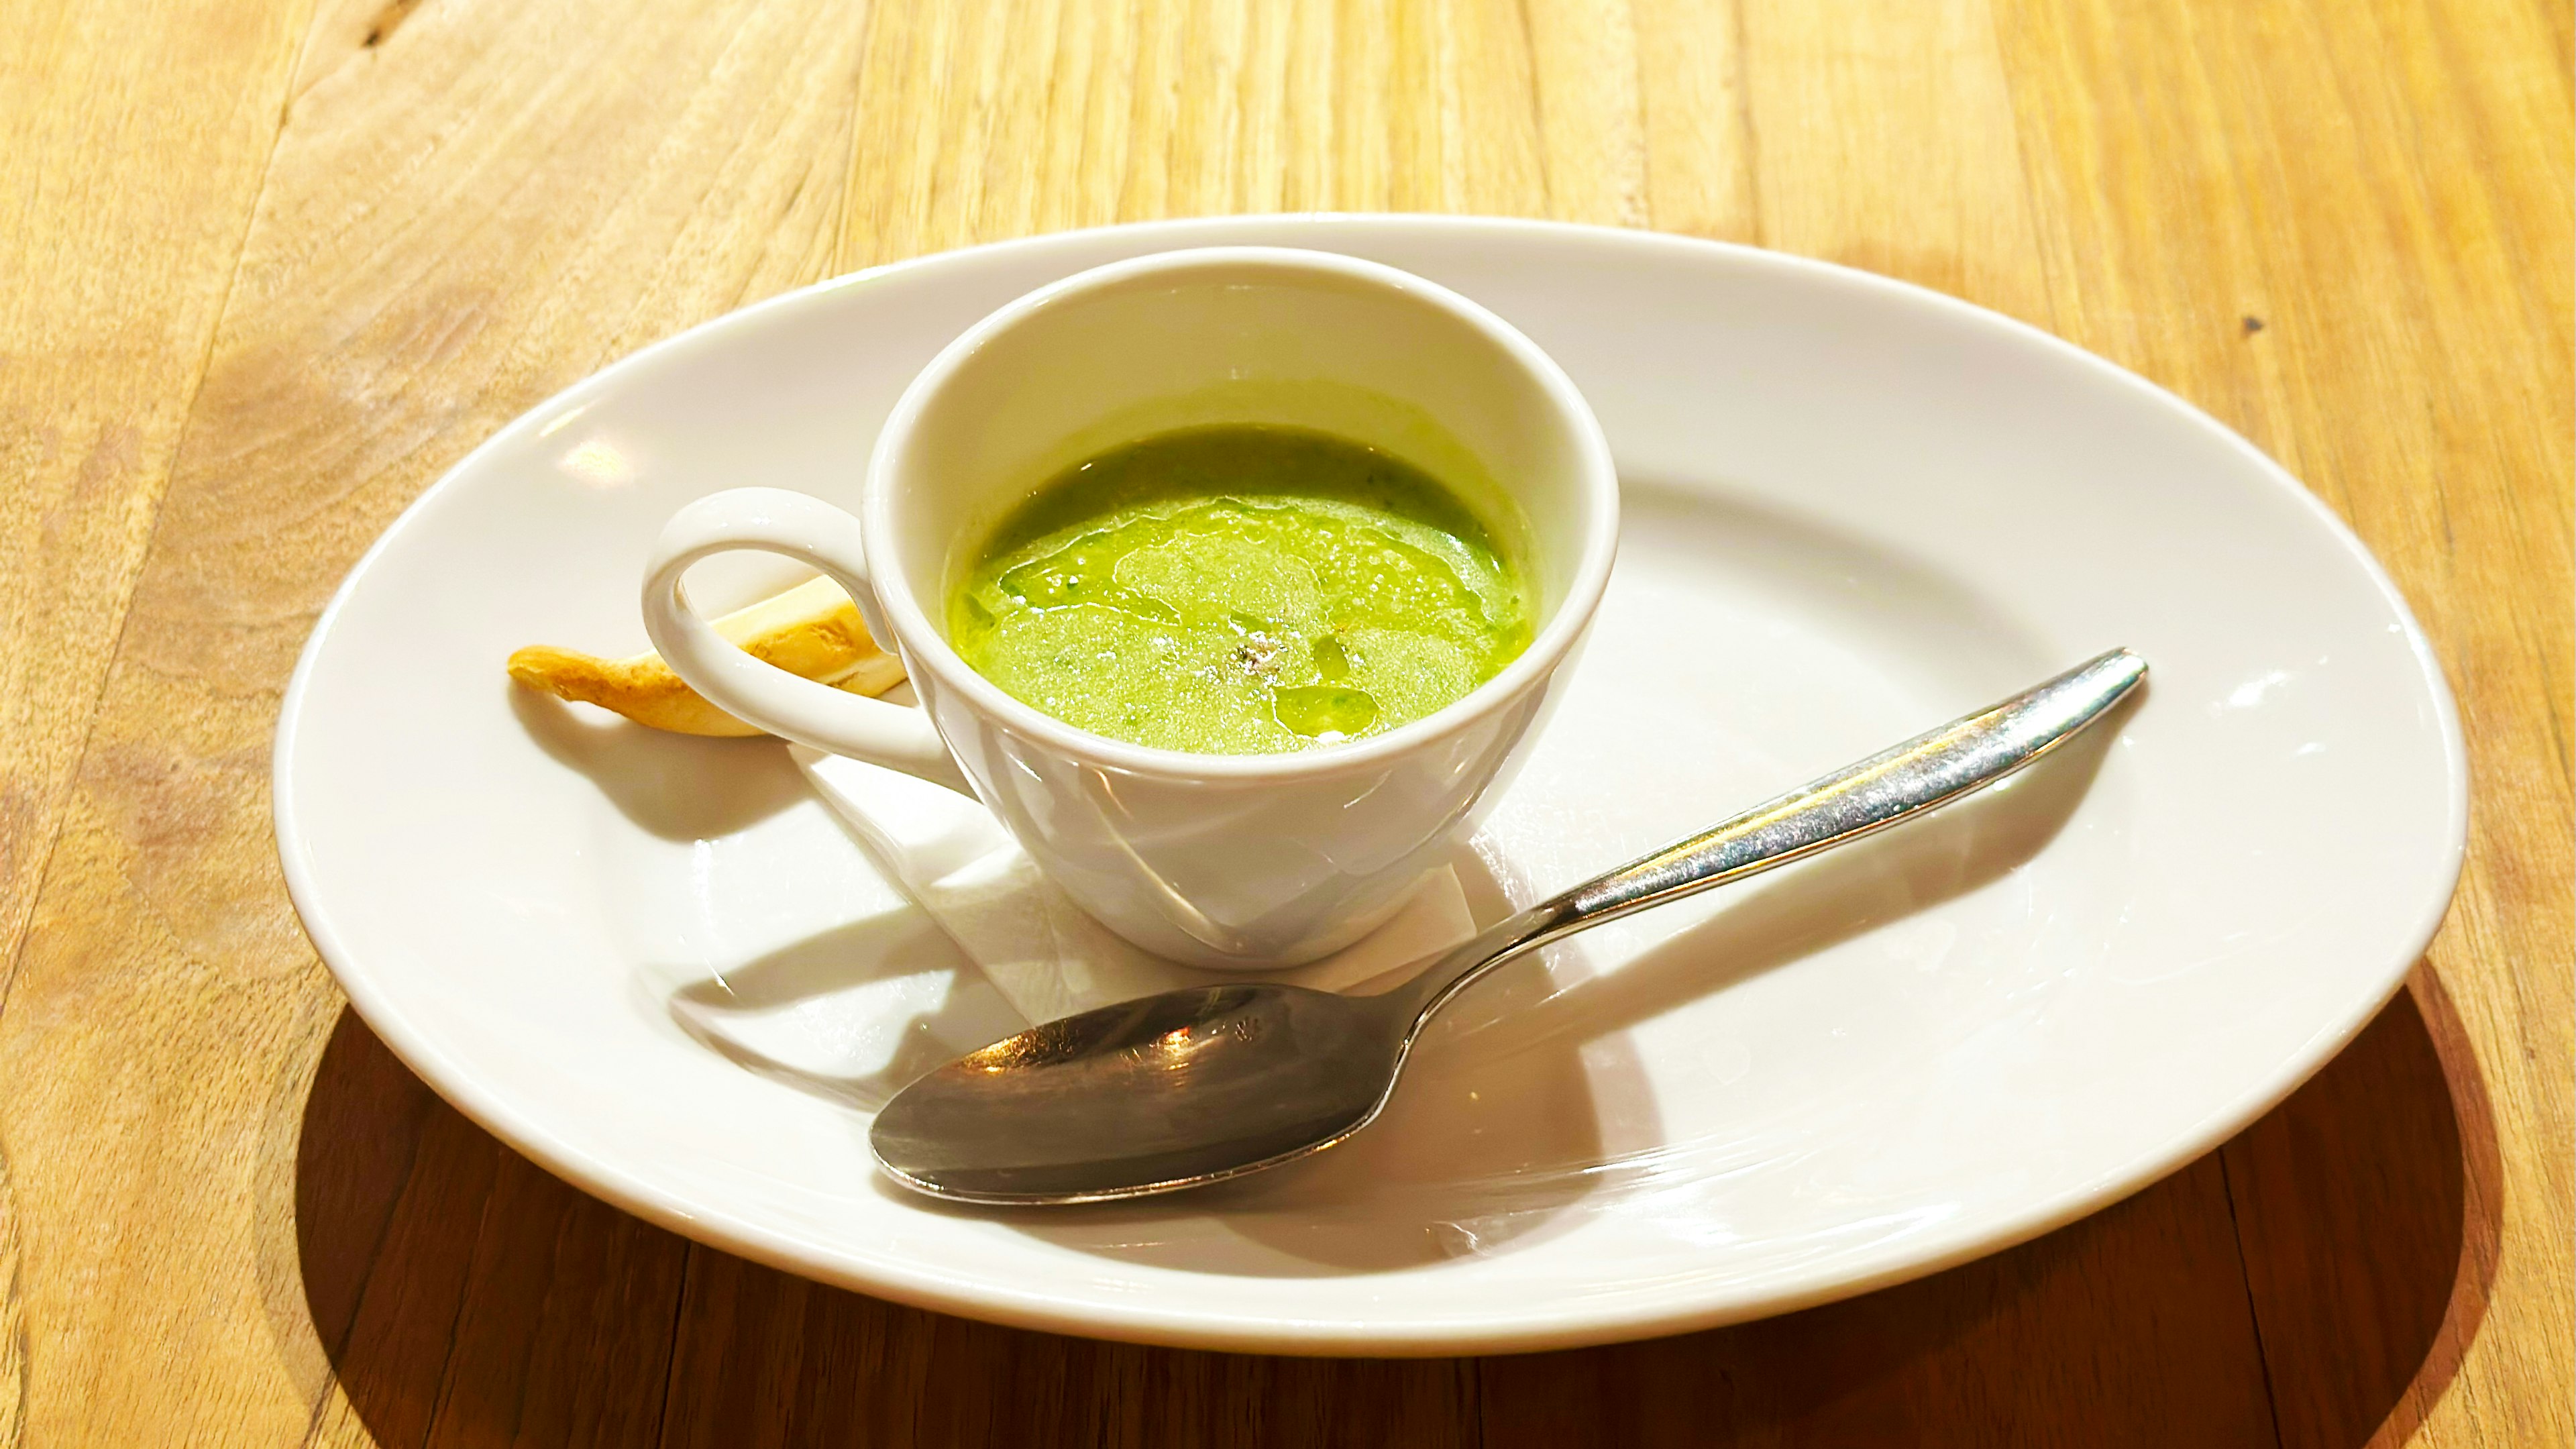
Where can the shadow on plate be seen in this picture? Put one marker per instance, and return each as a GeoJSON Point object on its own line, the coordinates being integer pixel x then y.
{"type": "Point", "coordinates": [2328, 1268]}
{"type": "Point", "coordinates": [1474, 1155]}
{"type": "Point", "coordinates": [676, 787]}
{"type": "Point", "coordinates": [1816, 905]}
{"type": "Point", "coordinates": [717, 1011]}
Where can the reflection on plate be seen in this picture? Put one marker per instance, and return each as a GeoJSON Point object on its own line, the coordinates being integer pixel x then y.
{"type": "Point", "coordinates": [1853, 509]}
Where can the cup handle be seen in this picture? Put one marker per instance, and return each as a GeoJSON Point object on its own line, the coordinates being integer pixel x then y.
{"type": "Point", "coordinates": [812, 532]}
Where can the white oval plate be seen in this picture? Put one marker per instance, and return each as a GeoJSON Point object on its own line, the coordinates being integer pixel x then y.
{"type": "Point", "coordinates": [1853, 509]}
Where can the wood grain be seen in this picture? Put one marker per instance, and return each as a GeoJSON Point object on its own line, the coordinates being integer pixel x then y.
{"type": "Point", "coordinates": [466, 209]}
{"type": "Point", "coordinates": [115, 274]}
{"type": "Point", "coordinates": [272, 270]}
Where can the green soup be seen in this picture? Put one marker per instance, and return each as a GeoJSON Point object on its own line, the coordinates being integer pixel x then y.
{"type": "Point", "coordinates": [1240, 590]}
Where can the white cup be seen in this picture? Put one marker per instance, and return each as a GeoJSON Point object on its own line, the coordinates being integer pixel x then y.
{"type": "Point", "coordinates": [1228, 861]}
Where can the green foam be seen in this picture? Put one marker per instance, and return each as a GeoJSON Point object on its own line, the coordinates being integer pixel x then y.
{"type": "Point", "coordinates": [1240, 590]}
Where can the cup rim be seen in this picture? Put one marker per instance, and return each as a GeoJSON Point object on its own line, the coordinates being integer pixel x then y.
{"type": "Point", "coordinates": [925, 647]}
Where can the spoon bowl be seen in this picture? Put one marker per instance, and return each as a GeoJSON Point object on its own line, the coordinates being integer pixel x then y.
{"type": "Point", "coordinates": [1196, 1086]}
{"type": "Point", "coordinates": [1181, 1088]}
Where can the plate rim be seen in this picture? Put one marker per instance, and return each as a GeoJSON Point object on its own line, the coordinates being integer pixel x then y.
{"type": "Point", "coordinates": [1162, 1322]}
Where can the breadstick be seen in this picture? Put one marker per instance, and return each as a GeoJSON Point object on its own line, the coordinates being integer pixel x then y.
{"type": "Point", "coordinates": [812, 629]}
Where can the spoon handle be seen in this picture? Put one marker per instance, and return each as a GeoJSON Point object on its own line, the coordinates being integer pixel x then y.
{"type": "Point", "coordinates": [1924, 773]}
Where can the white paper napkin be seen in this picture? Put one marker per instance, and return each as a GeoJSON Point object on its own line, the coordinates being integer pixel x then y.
{"type": "Point", "coordinates": [1040, 950]}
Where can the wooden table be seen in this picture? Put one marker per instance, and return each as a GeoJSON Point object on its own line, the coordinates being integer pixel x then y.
{"type": "Point", "coordinates": [268, 269]}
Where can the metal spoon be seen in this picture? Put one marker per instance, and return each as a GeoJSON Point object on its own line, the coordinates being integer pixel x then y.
{"type": "Point", "coordinates": [1196, 1086]}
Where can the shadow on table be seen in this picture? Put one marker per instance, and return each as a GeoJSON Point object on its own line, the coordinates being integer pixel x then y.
{"type": "Point", "coordinates": [463, 1296]}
